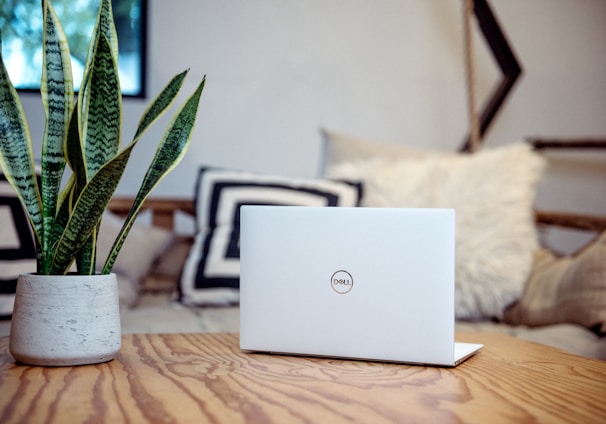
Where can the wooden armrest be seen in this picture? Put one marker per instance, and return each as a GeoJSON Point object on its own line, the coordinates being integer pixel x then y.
{"type": "Point", "coordinates": [163, 214]}
{"type": "Point", "coordinates": [163, 209]}
{"type": "Point", "coordinates": [567, 143]}
{"type": "Point", "coordinates": [572, 220]}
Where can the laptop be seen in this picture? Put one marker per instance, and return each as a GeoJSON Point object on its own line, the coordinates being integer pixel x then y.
{"type": "Point", "coordinates": [360, 283]}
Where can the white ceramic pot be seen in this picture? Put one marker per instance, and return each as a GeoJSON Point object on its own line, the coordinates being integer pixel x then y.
{"type": "Point", "coordinates": [62, 320]}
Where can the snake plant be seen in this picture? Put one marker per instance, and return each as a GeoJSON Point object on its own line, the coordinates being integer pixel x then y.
{"type": "Point", "coordinates": [84, 133]}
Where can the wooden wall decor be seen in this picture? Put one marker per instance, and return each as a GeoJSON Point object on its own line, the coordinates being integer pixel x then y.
{"type": "Point", "coordinates": [505, 58]}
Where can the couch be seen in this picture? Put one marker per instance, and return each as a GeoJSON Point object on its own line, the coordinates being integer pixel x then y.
{"type": "Point", "coordinates": [178, 271]}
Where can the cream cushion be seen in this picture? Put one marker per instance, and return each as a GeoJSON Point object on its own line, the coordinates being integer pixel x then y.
{"type": "Point", "coordinates": [569, 289]}
{"type": "Point", "coordinates": [142, 247]}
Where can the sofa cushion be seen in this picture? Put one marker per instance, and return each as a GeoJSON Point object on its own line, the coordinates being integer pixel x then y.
{"type": "Point", "coordinates": [142, 247]}
{"type": "Point", "coordinates": [17, 248]}
{"type": "Point", "coordinates": [166, 271]}
{"type": "Point", "coordinates": [211, 272]}
{"type": "Point", "coordinates": [492, 192]}
{"type": "Point", "coordinates": [570, 289]}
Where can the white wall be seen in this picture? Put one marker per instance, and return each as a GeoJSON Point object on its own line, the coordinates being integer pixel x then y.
{"type": "Point", "coordinates": [391, 70]}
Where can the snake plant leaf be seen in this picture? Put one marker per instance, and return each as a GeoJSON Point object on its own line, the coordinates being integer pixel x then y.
{"type": "Point", "coordinates": [75, 156]}
{"type": "Point", "coordinates": [64, 207]}
{"type": "Point", "coordinates": [104, 24]}
{"type": "Point", "coordinates": [101, 126]}
{"type": "Point", "coordinates": [74, 186]}
{"type": "Point", "coordinates": [86, 257]}
{"type": "Point", "coordinates": [16, 152]}
{"type": "Point", "coordinates": [169, 153]}
{"type": "Point", "coordinates": [88, 209]}
{"type": "Point", "coordinates": [160, 103]}
{"type": "Point", "coordinates": [57, 94]}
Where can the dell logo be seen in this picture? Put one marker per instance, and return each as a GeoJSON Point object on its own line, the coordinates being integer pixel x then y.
{"type": "Point", "coordinates": [341, 282]}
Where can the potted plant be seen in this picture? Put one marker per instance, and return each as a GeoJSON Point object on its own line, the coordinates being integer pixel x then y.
{"type": "Point", "coordinates": [54, 323]}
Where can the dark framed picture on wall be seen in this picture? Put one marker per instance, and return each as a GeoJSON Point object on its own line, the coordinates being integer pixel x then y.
{"type": "Point", "coordinates": [21, 27]}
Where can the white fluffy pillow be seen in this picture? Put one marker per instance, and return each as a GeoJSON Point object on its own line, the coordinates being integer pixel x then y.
{"type": "Point", "coordinates": [339, 147]}
{"type": "Point", "coordinates": [492, 193]}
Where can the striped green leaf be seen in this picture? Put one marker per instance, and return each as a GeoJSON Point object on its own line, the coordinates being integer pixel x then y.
{"type": "Point", "coordinates": [57, 98]}
{"type": "Point", "coordinates": [64, 207]}
{"type": "Point", "coordinates": [104, 24]}
{"type": "Point", "coordinates": [75, 155]}
{"type": "Point", "coordinates": [86, 256]}
{"type": "Point", "coordinates": [101, 126]}
{"type": "Point", "coordinates": [87, 211]}
{"type": "Point", "coordinates": [63, 212]}
{"type": "Point", "coordinates": [16, 152]}
{"type": "Point", "coordinates": [169, 153]}
{"type": "Point", "coordinates": [160, 103]}
{"type": "Point", "coordinates": [74, 186]}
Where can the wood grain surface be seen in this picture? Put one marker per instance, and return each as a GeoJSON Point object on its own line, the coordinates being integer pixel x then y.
{"type": "Point", "coordinates": [182, 378]}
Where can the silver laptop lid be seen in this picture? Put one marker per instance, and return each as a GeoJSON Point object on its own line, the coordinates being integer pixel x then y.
{"type": "Point", "coordinates": [365, 283]}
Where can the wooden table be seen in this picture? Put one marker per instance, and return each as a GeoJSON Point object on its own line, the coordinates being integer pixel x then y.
{"type": "Point", "coordinates": [206, 378]}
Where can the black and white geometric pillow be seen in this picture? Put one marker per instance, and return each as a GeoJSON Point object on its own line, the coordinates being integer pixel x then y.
{"type": "Point", "coordinates": [211, 274]}
{"type": "Point", "coordinates": [17, 249]}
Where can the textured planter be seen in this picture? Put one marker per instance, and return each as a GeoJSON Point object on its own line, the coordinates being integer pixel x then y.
{"type": "Point", "coordinates": [65, 320]}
